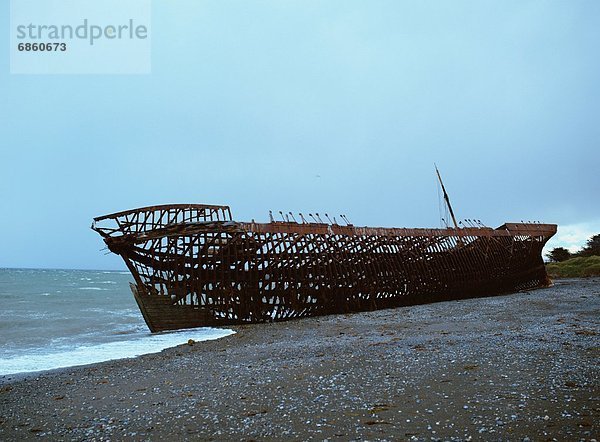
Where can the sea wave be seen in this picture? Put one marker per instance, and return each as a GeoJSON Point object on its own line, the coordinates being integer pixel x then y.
{"type": "Point", "coordinates": [39, 360]}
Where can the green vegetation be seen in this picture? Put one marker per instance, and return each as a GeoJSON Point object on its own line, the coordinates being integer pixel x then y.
{"type": "Point", "coordinates": [560, 254]}
{"type": "Point", "coordinates": [580, 267]}
{"type": "Point", "coordinates": [581, 264]}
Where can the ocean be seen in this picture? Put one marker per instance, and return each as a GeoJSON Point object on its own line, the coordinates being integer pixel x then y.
{"type": "Point", "coordinates": [61, 318]}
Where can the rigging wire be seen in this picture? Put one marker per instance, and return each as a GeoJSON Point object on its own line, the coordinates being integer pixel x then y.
{"type": "Point", "coordinates": [439, 203]}
{"type": "Point", "coordinates": [443, 216]}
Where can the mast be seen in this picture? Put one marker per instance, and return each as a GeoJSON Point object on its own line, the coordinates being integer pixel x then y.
{"type": "Point", "coordinates": [446, 197]}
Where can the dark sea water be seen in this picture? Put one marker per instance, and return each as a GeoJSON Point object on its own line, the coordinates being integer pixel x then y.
{"type": "Point", "coordinates": [60, 318]}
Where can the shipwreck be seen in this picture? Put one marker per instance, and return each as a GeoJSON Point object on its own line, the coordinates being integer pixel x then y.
{"type": "Point", "coordinates": [194, 266]}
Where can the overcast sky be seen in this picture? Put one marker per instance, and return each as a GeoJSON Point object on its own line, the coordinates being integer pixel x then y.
{"type": "Point", "coordinates": [328, 106]}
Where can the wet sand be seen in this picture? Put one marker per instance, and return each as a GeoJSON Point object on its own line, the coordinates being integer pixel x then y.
{"type": "Point", "coordinates": [515, 367]}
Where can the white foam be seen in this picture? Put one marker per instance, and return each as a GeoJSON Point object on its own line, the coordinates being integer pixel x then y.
{"type": "Point", "coordinates": [130, 313]}
{"type": "Point", "coordinates": [92, 288]}
{"type": "Point", "coordinates": [148, 343]}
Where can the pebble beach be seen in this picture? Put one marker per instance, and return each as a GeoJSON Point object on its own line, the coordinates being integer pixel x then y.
{"type": "Point", "coordinates": [519, 367]}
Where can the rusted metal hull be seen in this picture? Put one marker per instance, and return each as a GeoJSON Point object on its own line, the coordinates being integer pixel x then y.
{"type": "Point", "coordinates": [195, 267]}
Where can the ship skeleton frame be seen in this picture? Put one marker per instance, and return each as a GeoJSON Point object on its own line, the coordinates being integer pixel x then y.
{"type": "Point", "coordinates": [194, 266]}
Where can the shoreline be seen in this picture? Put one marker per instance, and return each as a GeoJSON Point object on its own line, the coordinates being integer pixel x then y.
{"type": "Point", "coordinates": [509, 367]}
{"type": "Point", "coordinates": [91, 354]}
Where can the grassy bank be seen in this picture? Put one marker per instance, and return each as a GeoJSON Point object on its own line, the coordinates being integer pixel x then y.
{"type": "Point", "coordinates": [580, 267]}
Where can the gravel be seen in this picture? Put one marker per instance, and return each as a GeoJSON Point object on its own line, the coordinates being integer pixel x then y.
{"type": "Point", "coordinates": [518, 367]}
